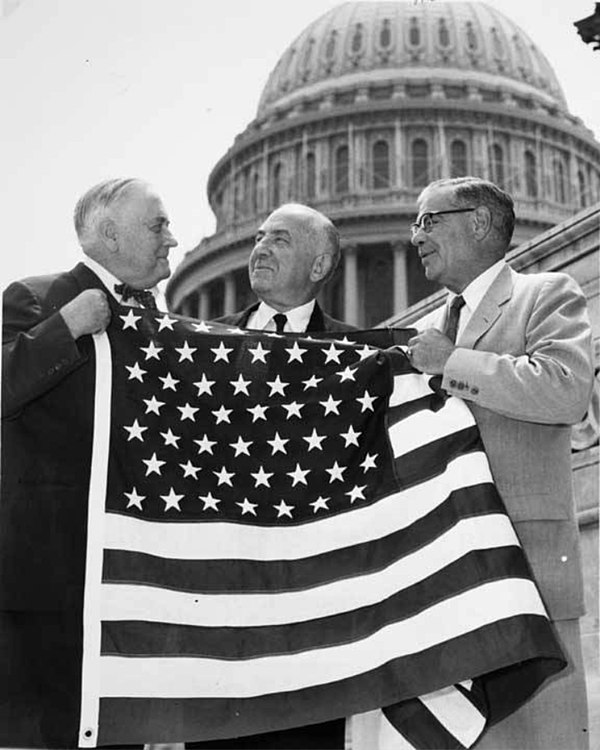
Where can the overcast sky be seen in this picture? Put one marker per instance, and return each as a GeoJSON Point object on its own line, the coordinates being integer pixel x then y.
{"type": "Point", "coordinates": [158, 89]}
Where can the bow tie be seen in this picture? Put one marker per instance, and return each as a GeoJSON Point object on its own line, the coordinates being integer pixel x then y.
{"type": "Point", "coordinates": [143, 296]}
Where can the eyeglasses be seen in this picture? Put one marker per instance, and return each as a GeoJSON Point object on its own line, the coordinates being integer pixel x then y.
{"type": "Point", "coordinates": [426, 222]}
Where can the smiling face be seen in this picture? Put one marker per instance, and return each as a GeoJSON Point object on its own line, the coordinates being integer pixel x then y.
{"type": "Point", "coordinates": [448, 252]}
{"type": "Point", "coordinates": [142, 238]}
{"type": "Point", "coordinates": [281, 263]}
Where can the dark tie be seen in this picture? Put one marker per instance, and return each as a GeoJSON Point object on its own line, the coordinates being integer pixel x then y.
{"type": "Point", "coordinates": [280, 320]}
{"type": "Point", "coordinates": [143, 296]}
{"type": "Point", "coordinates": [451, 325]}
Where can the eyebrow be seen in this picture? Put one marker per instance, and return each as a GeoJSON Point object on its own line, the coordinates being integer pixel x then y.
{"type": "Point", "coordinates": [275, 232]}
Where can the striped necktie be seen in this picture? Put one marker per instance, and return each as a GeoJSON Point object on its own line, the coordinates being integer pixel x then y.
{"type": "Point", "coordinates": [451, 325]}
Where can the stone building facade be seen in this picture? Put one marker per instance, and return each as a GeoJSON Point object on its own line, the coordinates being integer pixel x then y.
{"type": "Point", "coordinates": [365, 107]}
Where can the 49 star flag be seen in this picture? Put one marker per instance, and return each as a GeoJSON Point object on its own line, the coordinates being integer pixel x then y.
{"type": "Point", "coordinates": [284, 530]}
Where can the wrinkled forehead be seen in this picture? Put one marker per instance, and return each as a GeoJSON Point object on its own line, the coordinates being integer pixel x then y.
{"type": "Point", "coordinates": [293, 223]}
{"type": "Point", "coordinates": [436, 199]}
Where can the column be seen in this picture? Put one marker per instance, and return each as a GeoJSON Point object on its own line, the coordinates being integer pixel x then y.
{"type": "Point", "coordinates": [350, 285]}
{"type": "Point", "coordinates": [400, 277]}
{"type": "Point", "coordinates": [203, 303]}
{"type": "Point", "coordinates": [400, 178]}
{"type": "Point", "coordinates": [229, 303]}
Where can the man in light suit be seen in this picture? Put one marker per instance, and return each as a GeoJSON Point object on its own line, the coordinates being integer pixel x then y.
{"type": "Point", "coordinates": [517, 348]}
{"type": "Point", "coordinates": [296, 252]}
{"type": "Point", "coordinates": [47, 418]}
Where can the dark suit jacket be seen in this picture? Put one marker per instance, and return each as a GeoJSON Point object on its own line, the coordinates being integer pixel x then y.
{"type": "Point", "coordinates": [47, 414]}
{"type": "Point", "coordinates": [319, 321]}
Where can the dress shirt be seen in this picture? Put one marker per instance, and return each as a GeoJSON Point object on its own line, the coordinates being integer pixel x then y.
{"type": "Point", "coordinates": [297, 318]}
{"type": "Point", "coordinates": [473, 294]}
{"type": "Point", "coordinates": [109, 281]}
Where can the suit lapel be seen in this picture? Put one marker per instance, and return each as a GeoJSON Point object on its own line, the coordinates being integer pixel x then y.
{"type": "Point", "coordinates": [317, 320]}
{"type": "Point", "coordinates": [488, 310]}
{"type": "Point", "coordinates": [86, 278]}
{"type": "Point", "coordinates": [244, 317]}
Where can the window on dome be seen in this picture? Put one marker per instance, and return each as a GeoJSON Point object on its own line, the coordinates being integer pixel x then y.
{"type": "Point", "coordinates": [311, 175]}
{"type": "Point", "coordinates": [443, 33]}
{"type": "Point", "coordinates": [385, 35]}
{"type": "Point", "coordinates": [330, 48]}
{"type": "Point", "coordinates": [582, 188]}
{"type": "Point", "coordinates": [414, 33]}
{"type": "Point", "coordinates": [458, 159]}
{"type": "Point", "coordinates": [531, 181]}
{"type": "Point", "coordinates": [560, 183]}
{"type": "Point", "coordinates": [342, 170]}
{"type": "Point", "coordinates": [381, 164]}
{"type": "Point", "coordinates": [497, 42]}
{"type": "Point", "coordinates": [472, 43]}
{"type": "Point", "coordinates": [420, 162]}
{"type": "Point", "coordinates": [307, 53]}
{"type": "Point", "coordinates": [277, 185]}
{"type": "Point", "coordinates": [496, 160]}
{"type": "Point", "coordinates": [357, 38]}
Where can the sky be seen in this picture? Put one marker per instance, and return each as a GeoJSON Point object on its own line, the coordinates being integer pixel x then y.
{"type": "Point", "coordinates": [158, 89]}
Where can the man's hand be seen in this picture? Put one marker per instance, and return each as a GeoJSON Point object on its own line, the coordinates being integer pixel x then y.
{"type": "Point", "coordinates": [429, 350]}
{"type": "Point", "coordinates": [87, 313]}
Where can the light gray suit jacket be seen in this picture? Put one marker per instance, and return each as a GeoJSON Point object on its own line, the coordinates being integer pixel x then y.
{"type": "Point", "coordinates": [523, 364]}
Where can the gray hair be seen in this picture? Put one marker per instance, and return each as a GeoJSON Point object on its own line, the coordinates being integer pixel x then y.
{"type": "Point", "coordinates": [97, 199]}
{"type": "Point", "coordinates": [475, 190]}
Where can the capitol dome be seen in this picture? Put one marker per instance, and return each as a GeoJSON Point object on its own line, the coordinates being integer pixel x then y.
{"type": "Point", "coordinates": [369, 104]}
{"type": "Point", "coordinates": [378, 43]}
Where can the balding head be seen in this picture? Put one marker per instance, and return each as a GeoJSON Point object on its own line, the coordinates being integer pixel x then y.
{"type": "Point", "coordinates": [296, 251]}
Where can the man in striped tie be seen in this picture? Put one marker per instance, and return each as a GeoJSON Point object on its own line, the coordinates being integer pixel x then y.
{"type": "Point", "coordinates": [516, 347]}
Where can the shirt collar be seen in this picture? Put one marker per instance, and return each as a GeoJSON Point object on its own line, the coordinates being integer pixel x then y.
{"type": "Point", "coordinates": [298, 317]}
{"type": "Point", "coordinates": [107, 278]}
{"type": "Point", "coordinates": [475, 291]}
{"type": "Point", "coordinates": [103, 274]}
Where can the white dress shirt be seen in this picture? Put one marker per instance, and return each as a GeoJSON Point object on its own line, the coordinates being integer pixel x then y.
{"type": "Point", "coordinates": [109, 281]}
{"type": "Point", "coordinates": [297, 318]}
{"type": "Point", "coordinates": [473, 294]}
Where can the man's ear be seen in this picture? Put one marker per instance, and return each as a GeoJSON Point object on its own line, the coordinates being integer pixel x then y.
{"type": "Point", "coordinates": [482, 222]}
{"type": "Point", "coordinates": [107, 232]}
{"type": "Point", "coordinates": [321, 267]}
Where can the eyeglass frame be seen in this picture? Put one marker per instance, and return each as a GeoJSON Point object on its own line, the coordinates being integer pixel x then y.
{"type": "Point", "coordinates": [416, 225]}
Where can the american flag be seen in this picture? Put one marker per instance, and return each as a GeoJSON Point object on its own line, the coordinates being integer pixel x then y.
{"type": "Point", "coordinates": [284, 530]}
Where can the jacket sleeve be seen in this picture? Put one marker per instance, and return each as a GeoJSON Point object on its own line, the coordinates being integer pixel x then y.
{"type": "Point", "coordinates": [38, 350]}
{"type": "Point", "coordinates": [551, 381]}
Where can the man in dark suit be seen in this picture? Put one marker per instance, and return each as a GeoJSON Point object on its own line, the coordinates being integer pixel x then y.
{"type": "Point", "coordinates": [47, 418]}
{"type": "Point", "coordinates": [296, 252]}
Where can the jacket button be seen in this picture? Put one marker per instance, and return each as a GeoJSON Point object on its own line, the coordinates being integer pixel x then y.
{"type": "Point", "coordinates": [453, 383]}
{"type": "Point", "coordinates": [461, 386]}
{"type": "Point", "coordinates": [474, 390]}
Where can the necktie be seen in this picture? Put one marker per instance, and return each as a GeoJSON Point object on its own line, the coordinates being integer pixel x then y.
{"type": "Point", "coordinates": [143, 296]}
{"type": "Point", "coordinates": [280, 320]}
{"type": "Point", "coordinates": [451, 325]}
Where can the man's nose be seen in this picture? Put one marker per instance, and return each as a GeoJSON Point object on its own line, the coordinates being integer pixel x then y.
{"type": "Point", "coordinates": [170, 240]}
{"type": "Point", "coordinates": [417, 236]}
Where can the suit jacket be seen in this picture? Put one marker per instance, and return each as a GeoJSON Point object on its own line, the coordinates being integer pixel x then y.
{"type": "Point", "coordinates": [47, 416]}
{"type": "Point", "coordinates": [523, 365]}
{"type": "Point", "coordinates": [319, 321]}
